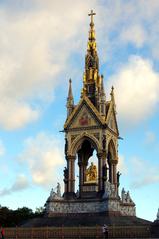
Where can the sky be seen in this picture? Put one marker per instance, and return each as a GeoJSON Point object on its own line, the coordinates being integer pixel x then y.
{"type": "Point", "coordinates": [42, 45]}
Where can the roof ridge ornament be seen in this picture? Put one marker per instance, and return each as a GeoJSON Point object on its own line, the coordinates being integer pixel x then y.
{"type": "Point", "coordinates": [91, 14]}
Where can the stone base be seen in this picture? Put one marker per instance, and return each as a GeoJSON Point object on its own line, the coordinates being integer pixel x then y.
{"type": "Point", "coordinates": [69, 196]}
{"type": "Point", "coordinates": [113, 205]}
{"type": "Point", "coordinates": [155, 229]}
{"type": "Point", "coordinates": [86, 220]}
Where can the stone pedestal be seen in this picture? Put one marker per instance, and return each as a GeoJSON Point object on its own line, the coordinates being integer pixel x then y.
{"type": "Point", "coordinates": [109, 203]}
{"type": "Point", "coordinates": [106, 206]}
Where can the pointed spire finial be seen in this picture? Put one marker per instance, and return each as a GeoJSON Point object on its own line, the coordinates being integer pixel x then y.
{"type": "Point", "coordinates": [91, 14]}
{"type": "Point", "coordinates": [102, 84]}
{"type": "Point", "coordinates": [92, 31]}
{"type": "Point", "coordinates": [70, 95]}
{"type": "Point", "coordinates": [102, 91]}
{"type": "Point", "coordinates": [113, 98]}
{"type": "Point", "coordinates": [91, 74]}
{"type": "Point", "coordinates": [112, 93]}
{"type": "Point", "coordinates": [70, 101]}
{"type": "Point", "coordinates": [102, 97]}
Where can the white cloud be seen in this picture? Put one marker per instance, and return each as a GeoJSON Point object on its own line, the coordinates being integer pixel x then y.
{"type": "Point", "coordinates": [122, 167]}
{"type": "Point", "coordinates": [136, 90]}
{"type": "Point", "coordinates": [20, 183]}
{"type": "Point", "coordinates": [150, 137]}
{"type": "Point", "coordinates": [147, 180]}
{"type": "Point", "coordinates": [134, 34]}
{"type": "Point", "coordinates": [42, 156]}
{"type": "Point", "coordinates": [37, 39]}
{"type": "Point", "coordinates": [16, 114]}
{"type": "Point", "coordinates": [143, 172]}
{"type": "Point", "coordinates": [34, 49]}
{"type": "Point", "coordinates": [2, 148]}
{"type": "Point", "coordinates": [123, 22]}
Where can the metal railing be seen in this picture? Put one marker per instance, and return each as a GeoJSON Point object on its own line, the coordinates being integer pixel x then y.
{"type": "Point", "coordinates": [77, 232]}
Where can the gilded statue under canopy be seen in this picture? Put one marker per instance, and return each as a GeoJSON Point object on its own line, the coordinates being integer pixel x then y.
{"type": "Point", "coordinates": [91, 173]}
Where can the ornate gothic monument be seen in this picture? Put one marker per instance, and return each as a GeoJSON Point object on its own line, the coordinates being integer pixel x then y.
{"type": "Point", "coordinates": [92, 199]}
{"type": "Point", "coordinates": [91, 126]}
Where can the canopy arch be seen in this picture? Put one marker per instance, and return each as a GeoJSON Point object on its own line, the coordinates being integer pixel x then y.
{"type": "Point", "coordinates": [75, 147]}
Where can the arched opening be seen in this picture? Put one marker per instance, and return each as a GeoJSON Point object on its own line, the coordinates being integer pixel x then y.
{"type": "Point", "coordinates": [86, 169]}
{"type": "Point", "coordinates": [93, 164]}
{"type": "Point", "coordinates": [83, 175]}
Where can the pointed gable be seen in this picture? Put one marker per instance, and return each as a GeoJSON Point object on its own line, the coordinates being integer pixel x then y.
{"type": "Point", "coordinates": [111, 118]}
{"type": "Point", "coordinates": [84, 115]}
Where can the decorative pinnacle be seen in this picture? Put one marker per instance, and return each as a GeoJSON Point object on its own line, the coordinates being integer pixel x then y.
{"type": "Point", "coordinates": [91, 39]}
{"type": "Point", "coordinates": [70, 95]}
{"type": "Point", "coordinates": [91, 14]}
{"type": "Point", "coordinates": [112, 93]}
{"type": "Point", "coordinates": [113, 98]}
{"type": "Point", "coordinates": [102, 84]}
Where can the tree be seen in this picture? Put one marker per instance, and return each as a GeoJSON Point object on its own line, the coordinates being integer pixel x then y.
{"type": "Point", "coordinates": [39, 211]}
{"type": "Point", "coordinates": [12, 218]}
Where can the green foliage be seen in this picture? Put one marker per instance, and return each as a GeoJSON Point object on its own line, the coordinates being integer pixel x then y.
{"type": "Point", "coordinates": [11, 218]}
{"type": "Point", "coordinates": [39, 211]}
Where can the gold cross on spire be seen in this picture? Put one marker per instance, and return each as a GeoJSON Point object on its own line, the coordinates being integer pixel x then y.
{"type": "Point", "coordinates": [91, 14]}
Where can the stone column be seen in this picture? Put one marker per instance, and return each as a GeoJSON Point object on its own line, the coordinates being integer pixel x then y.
{"type": "Point", "coordinates": [113, 173]}
{"type": "Point", "coordinates": [100, 169]}
{"type": "Point", "coordinates": [104, 169]}
{"type": "Point", "coordinates": [82, 169]}
{"type": "Point", "coordinates": [104, 158]}
{"type": "Point", "coordinates": [80, 178]}
{"type": "Point", "coordinates": [71, 174]}
{"type": "Point", "coordinates": [110, 172]}
{"type": "Point", "coordinates": [65, 180]}
{"type": "Point", "coordinates": [80, 173]}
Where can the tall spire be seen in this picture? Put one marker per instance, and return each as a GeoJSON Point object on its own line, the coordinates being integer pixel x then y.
{"type": "Point", "coordinates": [70, 101]}
{"type": "Point", "coordinates": [91, 78]}
{"type": "Point", "coordinates": [91, 39]}
{"type": "Point", "coordinates": [91, 60]}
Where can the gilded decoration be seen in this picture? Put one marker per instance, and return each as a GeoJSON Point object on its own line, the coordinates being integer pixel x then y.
{"type": "Point", "coordinates": [86, 104]}
{"type": "Point", "coordinates": [85, 119]}
{"type": "Point", "coordinates": [91, 173]}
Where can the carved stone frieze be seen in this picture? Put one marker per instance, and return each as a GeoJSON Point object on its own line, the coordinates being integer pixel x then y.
{"type": "Point", "coordinates": [97, 136]}
{"type": "Point", "coordinates": [73, 137]}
